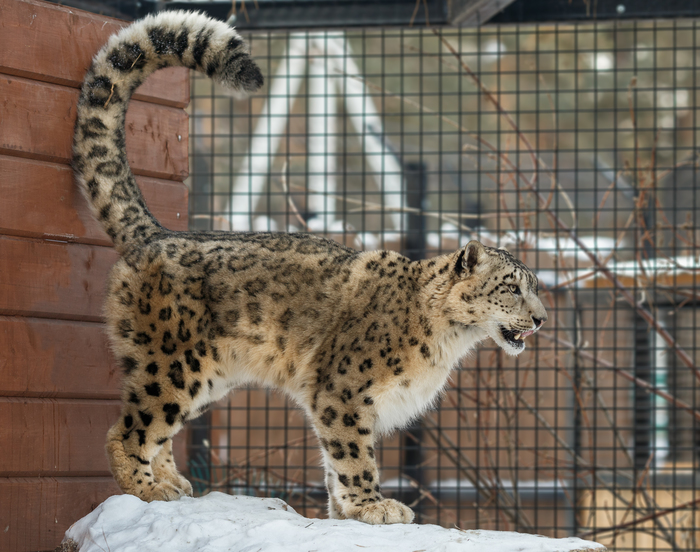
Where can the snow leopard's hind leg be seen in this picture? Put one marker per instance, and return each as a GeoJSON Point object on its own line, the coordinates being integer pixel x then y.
{"type": "Point", "coordinates": [165, 470]}
{"type": "Point", "coordinates": [135, 460]}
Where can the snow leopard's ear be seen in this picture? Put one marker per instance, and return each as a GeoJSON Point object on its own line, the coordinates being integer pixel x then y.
{"type": "Point", "coordinates": [470, 257]}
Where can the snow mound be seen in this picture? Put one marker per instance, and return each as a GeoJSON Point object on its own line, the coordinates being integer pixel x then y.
{"type": "Point", "coordinates": [219, 522]}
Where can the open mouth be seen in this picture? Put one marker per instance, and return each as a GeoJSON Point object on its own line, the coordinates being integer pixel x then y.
{"type": "Point", "coordinates": [516, 338]}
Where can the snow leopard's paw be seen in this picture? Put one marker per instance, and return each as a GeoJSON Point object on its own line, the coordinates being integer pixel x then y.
{"type": "Point", "coordinates": [163, 491]}
{"type": "Point", "coordinates": [182, 484]}
{"type": "Point", "coordinates": [385, 511]}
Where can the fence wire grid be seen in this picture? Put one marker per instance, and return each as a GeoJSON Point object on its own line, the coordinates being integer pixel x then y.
{"type": "Point", "coordinates": [573, 146]}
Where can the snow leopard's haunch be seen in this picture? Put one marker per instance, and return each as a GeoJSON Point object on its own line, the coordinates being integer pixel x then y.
{"type": "Point", "coordinates": [175, 38]}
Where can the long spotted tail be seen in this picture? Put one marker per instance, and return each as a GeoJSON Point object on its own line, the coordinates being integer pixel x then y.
{"type": "Point", "coordinates": [99, 156]}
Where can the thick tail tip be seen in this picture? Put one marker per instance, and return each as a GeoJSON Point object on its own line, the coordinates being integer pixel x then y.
{"type": "Point", "coordinates": [186, 38]}
{"type": "Point", "coordinates": [243, 76]}
{"type": "Point", "coordinates": [238, 71]}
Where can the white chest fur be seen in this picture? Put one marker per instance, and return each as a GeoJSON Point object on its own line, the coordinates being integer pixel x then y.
{"type": "Point", "coordinates": [398, 404]}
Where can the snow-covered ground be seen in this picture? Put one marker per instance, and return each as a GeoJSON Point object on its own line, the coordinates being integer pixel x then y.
{"type": "Point", "coordinates": [219, 522]}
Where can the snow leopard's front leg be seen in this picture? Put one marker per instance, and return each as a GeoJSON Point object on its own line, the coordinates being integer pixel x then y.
{"type": "Point", "coordinates": [352, 477]}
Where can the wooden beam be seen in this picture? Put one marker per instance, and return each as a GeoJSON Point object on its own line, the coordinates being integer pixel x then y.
{"type": "Point", "coordinates": [53, 280]}
{"type": "Point", "coordinates": [36, 512]}
{"type": "Point", "coordinates": [55, 436]}
{"type": "Point", "coordinates": [57, 359]}
{"type": "Point", "coordinates": [63, 41]}
{"type": "Point", "coordinates": [38, 120]}
{"type": "Point", "coordinates": [41, 200]}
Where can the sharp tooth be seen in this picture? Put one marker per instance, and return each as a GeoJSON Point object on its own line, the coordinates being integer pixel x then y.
{"type": "Point", "coordinates": [517, 336]}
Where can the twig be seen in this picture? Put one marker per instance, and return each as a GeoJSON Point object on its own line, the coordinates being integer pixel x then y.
{"type": "Point", "coordinates": [627, 375]}
{"type": "Point", "coordinates": [637, 488]}
{"type": "Point", "coordinates": [655, 515]}
{"type": "Point", "coordinates": [637, 305]}
{"type": "Point", "coordinates": [474, 476]}
{"type": "Point", "coordinates": [290, 201]}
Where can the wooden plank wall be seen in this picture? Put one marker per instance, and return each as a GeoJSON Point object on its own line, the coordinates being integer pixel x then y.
{"type": "Point", "coordinates": [58, 382]}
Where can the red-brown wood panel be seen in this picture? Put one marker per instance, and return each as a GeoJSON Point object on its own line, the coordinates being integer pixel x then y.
{"type": "Point", "coordinates": [41, 200]}
{"type": "Point", "coordinates": [53, 280]}
{"type": "Point", "coordinates": [58, 381]}
{"type": "Point", "coordinates": [36, 512]}
{"type": "Point", "coordinates": [56, 358]}
{"type": "Point", "coordinates": [38, 120]}
{"type": "Point", "coordinates": [61, 359]}
{"type": "Point", "coordinates": [60, 437]}
{"type": "Point", "coordinates": [63, 41]}
{"type": "Point", "coordinates": [55, 436]}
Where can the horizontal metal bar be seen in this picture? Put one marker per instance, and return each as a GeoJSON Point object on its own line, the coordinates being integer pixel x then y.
{"type": "Point", "coordinates": [314, 14]}
{"type": "Point", "coordinates": [550, 11]}
{"type": "Point", "coordinates": [309, 14]}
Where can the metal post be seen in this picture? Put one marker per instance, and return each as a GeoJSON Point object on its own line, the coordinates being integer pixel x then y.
{"type": "Point", "coordinates": [199, 434]}
{"type": "Point", "coordinates": [415, 176]}
{"type": "Point", "coordinates": [644, 414]}
{"type": "Point", "coordinates": [577, 426]}
{"type": "Point", "coordinates": [643, 411]}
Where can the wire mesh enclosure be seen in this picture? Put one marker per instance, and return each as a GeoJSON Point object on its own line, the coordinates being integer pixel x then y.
{"type": "Point", "coordinates": [574, 147]}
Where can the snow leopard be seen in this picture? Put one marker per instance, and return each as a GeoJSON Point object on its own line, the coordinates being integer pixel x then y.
{"type": "Point", "coordinates": [363, 341]}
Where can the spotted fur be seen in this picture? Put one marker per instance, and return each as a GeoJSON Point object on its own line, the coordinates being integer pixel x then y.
{"type": "Point", "coordinates": [363, 341]}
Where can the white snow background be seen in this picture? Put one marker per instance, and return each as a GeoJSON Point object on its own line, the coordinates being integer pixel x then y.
{"type": "Point", "coordinates": [218, 522]}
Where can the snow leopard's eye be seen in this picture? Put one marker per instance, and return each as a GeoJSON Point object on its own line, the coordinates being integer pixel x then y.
{"type": "Point", "coordinates": [515, 290]}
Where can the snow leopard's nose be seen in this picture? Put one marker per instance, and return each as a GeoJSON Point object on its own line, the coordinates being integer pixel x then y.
{"type": "Point", "coordinates": [539, 321]}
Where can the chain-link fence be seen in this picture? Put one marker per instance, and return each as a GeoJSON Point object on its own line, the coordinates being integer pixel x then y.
{"type": "Point", "coordinates": [573, 146]}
